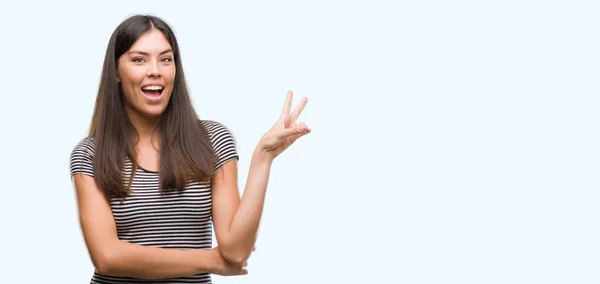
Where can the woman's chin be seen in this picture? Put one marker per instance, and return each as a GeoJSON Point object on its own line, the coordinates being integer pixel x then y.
{"type": "Point", "coordinates": [152, 111]}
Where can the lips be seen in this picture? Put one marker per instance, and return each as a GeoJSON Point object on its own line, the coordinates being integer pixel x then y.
{"type": "Point", "coordinates": [153, 92]}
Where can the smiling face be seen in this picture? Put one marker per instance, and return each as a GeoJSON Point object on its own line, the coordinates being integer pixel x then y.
{"type": "Point", "coordinates": [146, 73]}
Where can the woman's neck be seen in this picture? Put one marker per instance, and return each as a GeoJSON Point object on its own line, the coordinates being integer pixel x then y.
{"type": "Point", "coordinates": [146, 128]}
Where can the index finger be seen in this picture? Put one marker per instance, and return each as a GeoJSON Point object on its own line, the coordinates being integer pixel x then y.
{"type": "Point", "coordinates": [287, 105]}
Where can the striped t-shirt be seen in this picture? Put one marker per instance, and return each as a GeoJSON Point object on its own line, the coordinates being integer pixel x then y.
{"type": "Point", "coordinates": [175, 219]}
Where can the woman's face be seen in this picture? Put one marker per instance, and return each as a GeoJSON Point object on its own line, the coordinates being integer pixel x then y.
{"type": "Point", "coordinates": [146, 73]}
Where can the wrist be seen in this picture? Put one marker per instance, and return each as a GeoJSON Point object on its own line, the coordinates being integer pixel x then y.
{"type": "Point", "coordinates": [262, 156]}
{"type": "Point", "coordinates": [210, 258]}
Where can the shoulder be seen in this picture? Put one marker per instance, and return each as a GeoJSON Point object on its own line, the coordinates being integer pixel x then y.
{"type": "Point", "coordinates": [85, 146]}
{"type": "Point", "coordinates": [223, 141]}
{"type": "Point", "coordinates": [218, 132]}
{"type": "Point", "coordinates": [81, 159]}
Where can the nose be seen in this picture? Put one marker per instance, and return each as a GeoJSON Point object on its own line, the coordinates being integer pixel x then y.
{"type": "Point", "coordinates": [153, 69]}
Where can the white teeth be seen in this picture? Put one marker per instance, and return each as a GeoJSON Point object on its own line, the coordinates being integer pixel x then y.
{"type": "Point", "coordinates": [152, 88]}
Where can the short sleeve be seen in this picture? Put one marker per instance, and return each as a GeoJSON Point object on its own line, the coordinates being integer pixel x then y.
{"type": "Point", "coordinates": [223, 143]}
{"type": "Point", "coordinates": [81, 160]}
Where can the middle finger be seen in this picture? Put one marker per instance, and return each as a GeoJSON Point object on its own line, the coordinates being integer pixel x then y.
{"type": "Point", "coordinates": [294, 116]}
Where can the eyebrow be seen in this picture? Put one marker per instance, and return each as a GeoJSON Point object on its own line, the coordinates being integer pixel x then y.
{"type": "Point", "coordinates": [146, 53]}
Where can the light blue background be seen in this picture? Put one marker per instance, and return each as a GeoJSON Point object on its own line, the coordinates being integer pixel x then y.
{"type": "Point", "coordinates": [453, 141]}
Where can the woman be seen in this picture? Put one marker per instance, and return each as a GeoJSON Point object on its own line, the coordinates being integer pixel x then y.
{"type": "Point", "coordinates": [151, 177]}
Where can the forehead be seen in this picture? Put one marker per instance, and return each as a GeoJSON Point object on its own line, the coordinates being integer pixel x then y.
{"type": "Point", "coordinates": [153, 41]}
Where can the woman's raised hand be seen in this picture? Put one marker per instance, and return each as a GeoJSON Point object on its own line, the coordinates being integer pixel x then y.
{"type": "Point", "coordinates": [286, 130]}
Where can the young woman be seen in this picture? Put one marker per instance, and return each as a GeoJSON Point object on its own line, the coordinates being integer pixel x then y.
{"type": "Point", "coordinates": [152, 179]}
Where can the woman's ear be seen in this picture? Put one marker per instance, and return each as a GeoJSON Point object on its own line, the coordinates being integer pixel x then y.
{"type": "Point", "coordinates": [117, 73]}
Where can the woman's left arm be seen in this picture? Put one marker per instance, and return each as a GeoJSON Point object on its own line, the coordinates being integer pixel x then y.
{"type": "Point", "coordinates": [236, 220]}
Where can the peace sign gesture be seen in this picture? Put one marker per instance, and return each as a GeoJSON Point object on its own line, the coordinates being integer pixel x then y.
{"type": "Point", "coordinates": [285, 131]}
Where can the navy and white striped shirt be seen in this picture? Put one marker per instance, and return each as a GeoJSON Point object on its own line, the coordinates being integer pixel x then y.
{"type": "Point", "coordinates": [175, 219]}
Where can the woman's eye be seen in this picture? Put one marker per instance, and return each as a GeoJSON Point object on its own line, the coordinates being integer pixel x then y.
{"type": "Point", "coordinates": [138, 60]}
{"type": "Point", "coordinates": [167, 59]}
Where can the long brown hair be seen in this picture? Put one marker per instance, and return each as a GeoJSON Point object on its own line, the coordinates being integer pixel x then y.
{"type": "Point", "coordinates": [186, 152]}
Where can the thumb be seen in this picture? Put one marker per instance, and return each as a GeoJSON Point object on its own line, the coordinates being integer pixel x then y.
{"type": "Point", "coordinates": [300, 128]}
{"type": "Point", "coordinates": [294, 138]}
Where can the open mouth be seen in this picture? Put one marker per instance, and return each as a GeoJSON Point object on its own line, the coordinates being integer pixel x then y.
{"type": "Point", "coordinates": [152, 91]}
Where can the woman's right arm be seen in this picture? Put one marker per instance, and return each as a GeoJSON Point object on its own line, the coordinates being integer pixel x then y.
{"type": "Point", "coordinates": [112, 256]}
